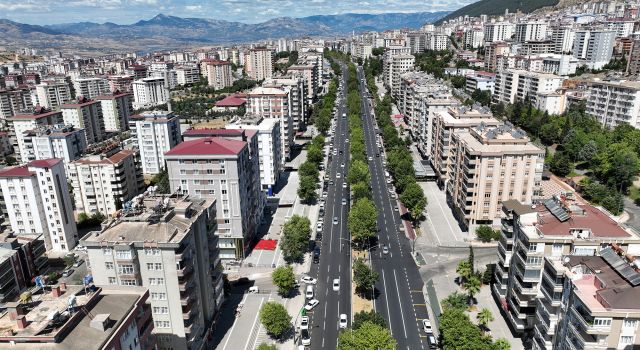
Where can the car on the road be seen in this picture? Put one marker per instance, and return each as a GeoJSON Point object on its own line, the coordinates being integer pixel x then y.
{"type": "Point", "coordinates": [343, 322]}
{"type": "Point", "coordinates": [341, 152]}
{"type": "Point", "coordinates": [346, 140]}
{"type": "Point", "coordinates": [330, 182]}
{"type": "Point", "coordinates": [389, 181]}
{"type": "Point", "coordinates": [316, 253]}
{"type": "Point", "coordinates": [67, 273]}
{"type": "Point", "coordinates": [337, 175]}
{"type": "Point", "coordinates": [304, 322]}
{"type": "Point", "coordinates": [335, 220]}
{"type": "Point", "coordinates": [378, 155]}
{"type": "Point", "coordinates": [342, 164]}
{"type": "Point", "coordinates": [336, 284]}
{"type": "Point", "coordinates": [344, 185]}
{"type": "Point", "coordinates": [309, 292]}
{"type": "Point", "coordinates": [426, 326]}
{"type": "Point", "coordinates": [319, 227]}
{"type": "Point", "coordinates": [385, 249]}
{"type": "Point", "coordinates": [311, 304]}
{"type": "Point", "coordinates": [370, 158]}
{"type": "Point", "coordinates": [431, 340]}
{"type": "Point", "coordinates": [344, 201]}
{"type": "Point", "coordinates": [305, 337]}
{"type": "Point", "coordinates": [308, 280]}
{"type": "Point", "coordinates": [78, 263]}
{"type": "Point", "coordinates": [324, 194]}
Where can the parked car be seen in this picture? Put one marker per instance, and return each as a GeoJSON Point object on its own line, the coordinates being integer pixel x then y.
{"type": "Point", "coordinates": [343, 322]}
{"type": "Point", "coordinates": [426, 326]}
{"type": "Point", "coordinates": [304, 322]}
{"type": "Point", "coordinates": [305, 337]}
{"type": "Point", "coordinates": [309, 292]}
{"type": "Point", "coordinates": [311, 304]}
{"type": "Point", "coordinates": [308, 280]}
{"type": "Point", "coordinates": [67, 273]}
{"type": "Point", "coordinates": [78, 263]}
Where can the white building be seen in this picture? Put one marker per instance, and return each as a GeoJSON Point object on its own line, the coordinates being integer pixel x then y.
{"type": "Point", "coordinates": [20, 123]}
{"type": "Point", "coordinates": [53, 94]}
{"type": "Point", "coordinates": [86, 114]}
{"type": "Point", "coordinates": [116, 111]}
{"type": "Point", "coordinates": [156, 133]}
{"type": "Point", "coordinates": [54, 141]}
{"type": "Point", "coordinates": [104, 182]}
{"type": "Point", "coordinates": [562, 38]}
{"type": "Point", "coordinates": [394, 65]}
{"type": "Point", "coordinates": [259, 65]}
{"type": "Point", "coordinates": [473, 38]}
{"type": "Point", "coordinates": [530, 31]}
{"type": "Point", "coordinates": [149, 92]}
{"type": "Point", "coordinates": [218, 73]}
{"type": "Point", "coordinates": [594, 47]}
{"type": "Point", "coordinates": [274, 103]}
{"type": "Point", "coordinates": [91, 87]}
{"type": "Point", "coordinates": [515, 85]}
{"type": "Point", "coordinates": [38, 202]}
{"type": "Point", "coordinates": [614, 103]}
{"type": "Point", "coordinates": [437, 41]}
{"type": "Point", "coordinates": [187, 75]}
{"type": "Point", "coordinates": [497, 31]}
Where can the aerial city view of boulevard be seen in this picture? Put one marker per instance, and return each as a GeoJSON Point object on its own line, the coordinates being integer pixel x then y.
{"type": "Point", "coordinates": [317, 174]}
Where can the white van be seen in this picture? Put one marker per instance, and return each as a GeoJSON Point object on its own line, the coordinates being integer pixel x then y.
{"type": "Point", "coordinates": [309, 293]}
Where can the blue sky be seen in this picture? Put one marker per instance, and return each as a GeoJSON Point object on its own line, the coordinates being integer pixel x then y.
{"type": "Point", "coordinates": [248, 11]}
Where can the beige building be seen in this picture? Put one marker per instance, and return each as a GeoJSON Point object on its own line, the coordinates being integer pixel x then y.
{"type": "Point", "coordinates": [227, 169]}
{"type": "Point", "coordinates": [53, 94]}
{"type": "Point", "coordinates": [14, 101]}
{"type": "Point", "coordinates": [445, 125]}
{"type": "Point", "coordinates": [117, 108]}
{"type": "Point", "coordinates": [218, 73]}
{"type": "Point", "coordinates": [86, 114]}
{"type": "Point", "coordinates": [490, 165]}
{"type": "Point", "coordinates": [258, 64]}
{"type": "Point", "coordinates": [393, 68]}
{"type": "Point", "coordinates": [168, 245]}
{"type": "Point", "coordinates": [102, 182]}
{"type": "Point", "coordinates": [534, 244]}
{"type": "Point", "coordinates": [274, 103]}
{"type": "Point", "coordinates": [513, 85]}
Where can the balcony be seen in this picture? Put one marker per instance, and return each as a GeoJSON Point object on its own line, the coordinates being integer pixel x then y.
{"type": "Point", "coordinates": [185, 285]}
{"type": "Point", "coordinates": [185, 271]}
{"type": "Point", "coordinates": [586, 340]}
{"type": "Point", "coordinates": [586, 323]}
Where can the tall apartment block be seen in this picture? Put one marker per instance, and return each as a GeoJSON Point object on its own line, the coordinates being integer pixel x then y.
{"type": "Point", "coordinates": [393, 67]}
{"type": "Point", "coordinates": [530, 31]}
{"type": "Point", "coordinates": [491, 165]}
{"type": "Point", "coordinates": [117, 108]}
{"type": "Point", "coordinates": [297, 87]}
{"type": "Point", "coordinates": [14, 101]}
{"type": "Point", "coordinates": [535, 240]}
{"type": "Point", "coordinates": [111, 317]}
{"type": "Point", "coordinates": [497, 31]}
{"type": "Point", "coordinates": [614, 103]}
{"type": "Point", "coordinates": [86, 114]}
{"type": "Point", "coordinates": [150, 92]}
{"type": "Point", "coordinates": [226, 169]}
{"type": "Point", "coordinates": [21, 259]}
{"type": "Point", "coordinates": [91, 87]}
{"type": "Point", "coordinates": [187, 75]}
{"type": "Point", "coordinates": [218, 73]}
{"type": "Point", "coordinates": [53, 141]}
{"type": "Point", "coordinates": [38, 202]}
{"type": "Point", "coordinates": [513, 85]}
{"type": "Point", "coordinates": [102, 182]}
{"type": "Point", "coordinates": [122, 83]}
{"type": "Point", "coordinates": [598, 306]}
{"type": "Point", "coordinates": [20, 123]}
{"type": "Point", "coordinates": [274, 103]}
{"type": "Point", "coordinates": [156, 133]}
{"type": "Point", "coordinates": [445, 125]}
{"type": "Point", "coordinates": [311, 76]}
{"type": "Point", "coordinates": [594, 47]}
{"type": "Point", "coordinates": [259, 65]}
{"type": "Point", "coordinates": [53, 94]}
{"type": "Point", "coordinates": [168, 245]}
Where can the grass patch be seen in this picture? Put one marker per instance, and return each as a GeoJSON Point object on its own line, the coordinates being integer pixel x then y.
{"type": "Point", "coordinates": [634, 193]}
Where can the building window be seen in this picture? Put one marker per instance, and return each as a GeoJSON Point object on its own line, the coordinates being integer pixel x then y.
{"type": "Point", "coordinates": [107, 251]}
{"type": "Point", "coordinates": [162, 324]}
{"type": "Point", "coordinates": [158, 296]}
{"type": "Point", "coordinates": [629, 324]}
{"type": "Point", "coordinates": [160, 310]}
{"type": "Point", "coordinates": [112, 280]}
{"type": "Point", "coordinates": [602, 322]}
{"type": "Point", "coordinates": [108, 265]}
{"type": "Point", "coordinates": [626, 339]}
{"type": "Point", "coordinates": [129, 283]}
{"type": "Point", "coordinates": [123, 254]}
{"type": "Point", "coordinates": [151, 251]}
{"type": "Point", "coordinates": [125, 269]}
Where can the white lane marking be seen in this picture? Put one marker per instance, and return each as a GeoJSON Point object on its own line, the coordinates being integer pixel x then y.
{"type": "Point", "coordinates": [404, 327]}
{"type": "Point", "coordinates": [384, 283]}
{"type": "Point", "coordinates": [234, 325]}
{"type": "Point", "coordinates": [254, 323]}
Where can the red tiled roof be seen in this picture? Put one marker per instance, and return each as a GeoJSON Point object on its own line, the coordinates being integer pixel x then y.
{"type": "Point", "coordinates": [82, 101]}
{"type": "Point", "coordinates": [213, 132]}
{"type": "Point", "coordinates": [208, 146]}
{"type": "Point", "coordinates": [593, 219]}
{"type": "Point", "coordinates": [19, 171]}
{"type": "Point", "coordinates": [44, 163]}
{"type": "Point", "coordinates": [231, 101]}
{"type": "Point", "coordinates": [34, 116]}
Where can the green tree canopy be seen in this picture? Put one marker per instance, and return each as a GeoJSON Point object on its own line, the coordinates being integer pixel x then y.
{"type": "Point", "coordinates": [284, 278]}
{"type": "Point", "coordinates": [363, 276]}
{"type": "Point", "coordinates": [371, 316]}
{"type": "Point", "coordinates": [458, 332]}
{"type": "Point", "coordinates": [455, 301]}
{"type": "Point", "coordinates": [295, 238]}
{"type": "Point", "coordinates": [275, 318]}
{"type": "Point", "coordinates": [307, 189]}
{"type": "Point", "coordinates": [368, 336]}
{"type": "Point", "coordinates": [360, 190]}
{"type": "Point", "coordinates": [358, 172]}
{"type": "Point", "coordinates": [413, 198]}
{"type": "Point", "coordinates": [362, 221]}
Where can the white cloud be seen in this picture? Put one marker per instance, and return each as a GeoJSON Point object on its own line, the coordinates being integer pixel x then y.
{"type": "Point", "coordinates": [193, 8]}
{"type": "Point", "coordinates": [15, 6]}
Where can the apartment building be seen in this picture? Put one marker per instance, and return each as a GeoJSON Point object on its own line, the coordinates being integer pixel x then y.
{"type": "Point", "coordinates": [53, 94]}
{"type": "Point", "coordinates": [614, 103]}
{"type": "Point", "coordinates": [393, 68]}
{"type": "Point", "coordinates": [150, 92]}
{"type": "Point", "coordinates": [228, 170]}
{"type": "Point", "coordinates": [598, 307]}
{"type": "Point", "coordinates": [117, 108]}
{"type": "Point", "coordinates": [490, 165]}
{"type": "Point", "coordinates": [86, 114]}
{"type": "Point", "coordinates": [483, 81]}
{"type": "Point", "coordinates": [297, 87]}
{"type": "Point", "coordinates": [445, 124]}
{"type": "Point", "coordinates": [274, 103]}
{"type": "Point", "coordinates": [21, 259]}
{"type": "Point", "coordinates": [594, 47]}
{"type": "Point", "coordinates": [534, 239]}
{"type": "Point", "coordinates": [38, 202]}
{"type": "Point", "coordinates": [122, 83]}
{"type": "Point", "coordinates": [110, 317]}
{"type": "Point", "coordinates": [530, 31]}
{"type": "Point", "coordinates": [20, 123]}
{"type": "Point", "coordinates": [259, 63]}
{"type": "Point", "coordinates": [53, 141]}
{"type": "Point", "coordinates": [492, 52]}
{"type": "Point", "coordinates": [187, 75]}
{"type": "Point", "coordinates": [106, 179]}
{"type": "Point", "coordinates": [633, 63]}
{"type": "Point", "coordinates": [473, 38]}
{"type": "Point", "coordinates": [497, 31]}
{"type": "Point", "coordinates": [91, 87]}
{"type": "Point", "coordinates": [218, 73]}
{"type": "Point", "coordinates": [269, 150]}
{"type": "Point", "coordinates": [562, 38]}
{"type": "Point", "coordinates": [427, 107]}
{"type": "Point", "coordinates": [515, 85]}
{"type": "Point", "coordinates": [311, 75]}
{"type": "Point", "coordinates": [14, 101]}
{"type": "Point", "coordinates": [415, 86]}
{"type": "Point", "coordinates": [437, 41]}
{"type": "Point", "coordinates": [156, 133]}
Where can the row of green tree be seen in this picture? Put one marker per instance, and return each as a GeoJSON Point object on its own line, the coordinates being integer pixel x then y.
{"type": "Point", "coordinates": [610, 157]}
{"type": "Point", "coordinates": [308, 171]}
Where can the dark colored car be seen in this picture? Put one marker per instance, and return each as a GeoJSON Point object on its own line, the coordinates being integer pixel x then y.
{"type": "Point", "coordinates": [316, 254]}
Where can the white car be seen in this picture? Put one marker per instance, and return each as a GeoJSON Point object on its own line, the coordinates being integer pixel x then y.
{"type": "Point", "coordinates": [385, 250]}
{"type": "Point", "coordinates": [370, 158]}
{"type": "Point", "coordinates": [346, 140]}
{"type": "Point", "coordinates": [335, 220]}
{"type": "Point", "coordinates": [308, 280]}
{"type": "Point", "coordinates": [343, 323]}
{"type": "Point", "coordinates": [311, 304]}
{"type": "Point", "coordinates": [426, 325]}
{"type": "Point", "coordinates": [336, 284]}
{"type": "Point", "coordinates": [309, 292]}
{"type": "Point", "coordinates": [344, 185]}
{"type": "Point", "coordinates": [342, 164]}
{"type": "Point", "coordinates": [304, 322]}
{"type": "Point", "coordinates": [319, 227]}
{"type": "Point", "coordinates": [344, 201]}
{"type": "Point", "coordinates": [337, 175]}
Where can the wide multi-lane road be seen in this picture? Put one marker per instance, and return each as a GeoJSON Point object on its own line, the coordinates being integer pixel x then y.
{"type": "Point", "coordinates": [335, 254]}
{"type": "Point", "coordinates": [400, 299]}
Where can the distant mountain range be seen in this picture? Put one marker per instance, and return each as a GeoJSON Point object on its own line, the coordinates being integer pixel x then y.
{"type": "Point", "coordinates": [498, 7]}
{"type": "Point", "coordinates": [163, 31]}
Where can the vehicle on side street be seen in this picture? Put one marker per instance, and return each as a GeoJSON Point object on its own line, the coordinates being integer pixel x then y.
{"type": "Point", "coordinates": [311, 304]}
{"type": "Point", "coordinates": [304, 322]}
{"type": "Point", "coordinates": [385, 250]}
{"type": "Point", "coordinates": [335, 220]}
{"type": "Point", "coordinates": [426, 326]}
{"type": "Point", "coordinates": [305, 337]}
{"type": "Point", "coordinates": [308, 280]}
{"type": "Point", "coordinates": [309, 292]}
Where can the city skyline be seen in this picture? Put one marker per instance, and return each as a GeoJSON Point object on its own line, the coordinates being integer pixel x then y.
{"type": "Point", "coordinates": [131, 11]}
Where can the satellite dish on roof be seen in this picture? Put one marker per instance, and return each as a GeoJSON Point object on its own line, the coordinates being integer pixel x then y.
{"type": "Point", "coordinates": [566, 259]}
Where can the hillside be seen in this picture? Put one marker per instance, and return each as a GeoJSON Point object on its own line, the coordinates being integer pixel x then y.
{"type": "Point", "coordinates": [498, 7]}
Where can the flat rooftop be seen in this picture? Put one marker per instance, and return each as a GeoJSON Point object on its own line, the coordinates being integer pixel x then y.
{"type": "Point", "coordinates": [581, 217]}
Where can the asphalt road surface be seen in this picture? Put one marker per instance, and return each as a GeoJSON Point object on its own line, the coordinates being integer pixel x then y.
{"type": "Point", "coordinates": [334, 256]}
{"type": "Point", "coordinates": [399, 296]}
